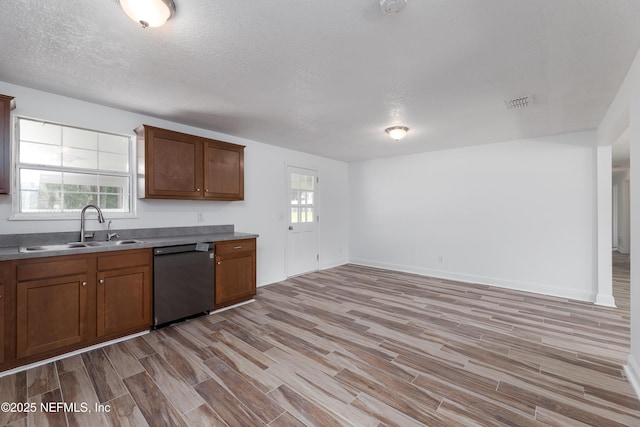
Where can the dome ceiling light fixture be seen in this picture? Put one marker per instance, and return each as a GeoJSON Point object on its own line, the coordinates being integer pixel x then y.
{"type": "Point", "coordinates": [149, 13]}
{"type": "Point", "coordinates": [393, 6]}
{"type": "Point", "coordinates": [397, 132]}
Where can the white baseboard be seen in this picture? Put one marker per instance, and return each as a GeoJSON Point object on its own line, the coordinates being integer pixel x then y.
{"type": "Point", "coordinates": [605, 300]}
{"type": "Point", "coordinates": [220, 310]}
{"type": "Point", "coordinates": [323, 266]}
{"type": "Point", "coordinates": [633, 374]}
{"type": "Point", "coordinates": [333, 264]}
{"type": "Point", "coordinates": [72, 353]}
{"type": "Point", "coordinates": [539, 288]}
{"type": "Point", "coordinates": [271, 280]}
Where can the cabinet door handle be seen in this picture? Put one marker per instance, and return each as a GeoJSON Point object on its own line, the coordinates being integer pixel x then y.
{"type": "Point", "coordinates": [197, 189]}
{"type": "Point", "coordinates": [101, 281]}
{"type": "Point", "coordinates": [84, 283]}
{"type": "Point", "coordinates": [237, 247]}
{"type": "Point", "coordinates": [206, 189]}
{"type": "Point", "coordinates": [219, 262]}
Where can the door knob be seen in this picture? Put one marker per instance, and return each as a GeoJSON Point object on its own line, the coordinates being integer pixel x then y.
{"type": "Point", "coordinates": [291, 227]}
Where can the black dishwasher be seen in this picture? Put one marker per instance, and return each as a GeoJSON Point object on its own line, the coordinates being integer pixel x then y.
{"type": "Point", "coordinates": [183, 282]}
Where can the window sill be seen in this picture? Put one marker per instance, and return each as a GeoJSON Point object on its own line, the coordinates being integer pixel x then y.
{"type": "Point", "coordinates": [74, 216]}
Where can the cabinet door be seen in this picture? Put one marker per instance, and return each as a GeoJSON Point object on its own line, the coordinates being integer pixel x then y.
{"type": "Point", "coordinates": [223, 171]}
{"type": "Point", "coordinates": [173, 165]}
{"type": "Point", "coordinates": [124, 300]}
{"type": "Point", "coordinates": [2, 314]}
{"type": "Point", "coordinates": [51, 314]}
{"type": "Point", "coordinates": [5, 143]}
{"type": "Point", "coordinates": [235, 277]}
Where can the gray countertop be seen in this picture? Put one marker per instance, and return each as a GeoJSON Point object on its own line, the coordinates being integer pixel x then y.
{"type": "Point", "coordinates": [149, 238]}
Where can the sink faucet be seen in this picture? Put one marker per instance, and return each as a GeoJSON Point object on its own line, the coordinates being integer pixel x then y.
{"type": "Point", "coordinates": [100, 220]}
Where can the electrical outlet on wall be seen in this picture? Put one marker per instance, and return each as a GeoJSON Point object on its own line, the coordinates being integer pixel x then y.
{"type": "Point", "coordinates": [200, 217]}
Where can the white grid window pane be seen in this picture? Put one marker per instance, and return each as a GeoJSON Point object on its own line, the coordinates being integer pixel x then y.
{"type": "Point", "coordinates": [113, 144]}
{"type": "Point", "coordinates": [113, 162]}
{"type": "Point", "coordinates": [44, 133]}
{"type": "Point", "coordinates": [40, 154]}
{"type": "Point", "coordinates": [79, 138]}
{"type": "Point", "coordinates": [301, 198]}
{"type": "Point", "coordinates": [62, 169]}
{"type": "Point", "coordinates": [79, 158]}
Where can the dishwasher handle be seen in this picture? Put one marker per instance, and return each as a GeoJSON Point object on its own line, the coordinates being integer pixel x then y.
{"type": "Point", "coordinates": [170, 250]}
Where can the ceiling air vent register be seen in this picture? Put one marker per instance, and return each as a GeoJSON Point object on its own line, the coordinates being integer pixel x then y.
{"type": "Point", "coordinates": [392, 6]}
{"type": "Point", "coordinates": [519, 103]}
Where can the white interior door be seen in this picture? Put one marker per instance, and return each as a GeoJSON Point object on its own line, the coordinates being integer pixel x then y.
{"type": "Point", "coordinates": [302, 232]}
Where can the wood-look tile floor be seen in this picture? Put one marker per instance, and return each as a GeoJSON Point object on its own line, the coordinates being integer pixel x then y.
{"type": "Point", "coordinates": [357, 346]}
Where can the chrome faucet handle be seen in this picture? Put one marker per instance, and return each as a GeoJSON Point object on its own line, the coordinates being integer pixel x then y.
{"type": "Point", "coordinates": [111, 235]}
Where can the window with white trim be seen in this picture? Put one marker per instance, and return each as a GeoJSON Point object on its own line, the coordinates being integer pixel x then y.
{"type": "Point", "coordinates": [60, 169]}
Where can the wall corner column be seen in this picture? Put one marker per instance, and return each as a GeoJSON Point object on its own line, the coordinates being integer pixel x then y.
{"type": "Point", "coordinates": [604, 220]}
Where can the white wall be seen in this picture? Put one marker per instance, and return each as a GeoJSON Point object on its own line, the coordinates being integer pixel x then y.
{"type": "Point", "coordinates": [634, 122]}
{"type": "Point", "coordinates": [263, 211]}
{"type": "Point", "coordinates": [518, 214]}
{"type": "Point", "coordinates": [624, 112]}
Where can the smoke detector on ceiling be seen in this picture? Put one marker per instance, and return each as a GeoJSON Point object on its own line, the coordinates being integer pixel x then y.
{"type": "Point", "coordinates": [519, 103]}
{"type": "Point", "coordinates": [392, 6]}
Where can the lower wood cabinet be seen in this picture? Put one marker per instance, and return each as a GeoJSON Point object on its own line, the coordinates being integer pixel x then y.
{"type": "Point", "coordinates": [52, 303]}
{"type": "Point", "coordinates": [68, 302]}
{"type": "Point", "coordinates": [235, 271]}
{"type": "Point", "coordinates": [3, 313]}
{"type": "Point", "coordinates": [51, 314]}
{"type": "Point", "coordinates": [7, 310]}
{"type": "Point", "coordinates": [124, 293]}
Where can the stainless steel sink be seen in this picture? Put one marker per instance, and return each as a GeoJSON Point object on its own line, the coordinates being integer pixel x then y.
{"type": "Point", "coordinates": [76, 245]}
{"type": "Point", "coordinates": [127, 242]}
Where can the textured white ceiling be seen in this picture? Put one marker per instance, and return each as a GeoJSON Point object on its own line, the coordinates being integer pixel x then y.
{"type": "Point", "coordinates": [327, 77]}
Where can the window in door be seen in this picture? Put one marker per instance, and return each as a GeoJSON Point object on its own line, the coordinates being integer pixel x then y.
{"type": "Point", "coordinates": [301, 196]}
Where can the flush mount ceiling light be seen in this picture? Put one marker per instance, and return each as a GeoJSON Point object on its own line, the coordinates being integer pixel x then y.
{"type": "Point", "coordinates": [392, 6]}
{"type": "Point", "coordinates": [149, 13]}
{"type": "Point", "coordinates": [397, 132]}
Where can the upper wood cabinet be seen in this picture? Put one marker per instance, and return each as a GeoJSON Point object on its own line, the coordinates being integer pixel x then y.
{"type": "Point", "coordinates": [6, 105]}
{"type": "Point", "coordinates": [174, 165]}
{"type": "Point", "coordinates": [223, 171]}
